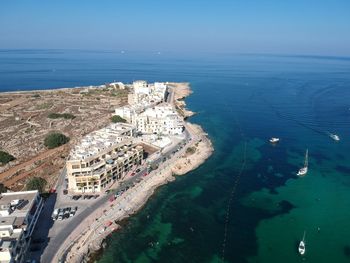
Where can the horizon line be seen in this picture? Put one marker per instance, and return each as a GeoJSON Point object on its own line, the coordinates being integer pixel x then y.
{"type": "Point", "coordinates": [125, 51]}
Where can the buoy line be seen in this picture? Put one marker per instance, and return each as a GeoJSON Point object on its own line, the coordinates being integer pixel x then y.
{"type": "Point", "coordinates": [233, 190]}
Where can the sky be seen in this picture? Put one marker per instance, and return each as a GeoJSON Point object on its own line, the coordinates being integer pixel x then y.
{"type": "Point", "coordinates": [308, 27]}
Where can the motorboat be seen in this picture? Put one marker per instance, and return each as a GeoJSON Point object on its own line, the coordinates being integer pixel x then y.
{"type": "Point", "coordinates": [303, 171]}
{"type": "Point", "coordinates": [274, 140]}
{"type": "Point", "coordinates": [334, 137]}
{"type": "Point", "coordinates": [302, 247]}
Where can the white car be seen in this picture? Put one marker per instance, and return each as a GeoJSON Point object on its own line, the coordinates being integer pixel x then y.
{"type": "Point", "coordinates": [55, 214]}
{"type": "Point", "coordinates": [60, 214]}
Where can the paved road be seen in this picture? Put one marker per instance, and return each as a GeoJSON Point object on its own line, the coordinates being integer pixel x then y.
{"type": "Point", "coordinates": [66, 226]}
{"type": "Point", "coordinates": [86, 207]}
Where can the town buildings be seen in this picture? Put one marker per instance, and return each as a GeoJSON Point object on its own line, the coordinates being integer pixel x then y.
{"type": "Point", "coordinates": [161, 119]}
{"type": "Point", "coordinates": [106, 155]}
{"type": "Point", "coordinates": [19, 212]}
{"type": "Point", "coordinates": [148, 112]}
{"type": "Point", "coordinates": [146, 95]}
{"type": "Point", "coordinates": [102, 157]}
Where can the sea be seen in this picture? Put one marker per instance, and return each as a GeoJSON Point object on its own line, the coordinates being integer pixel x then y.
{"type": "Point", "coordinates": [245, 203]}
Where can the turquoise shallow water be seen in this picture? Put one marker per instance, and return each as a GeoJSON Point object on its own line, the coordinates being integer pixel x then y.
{"type": "Point", "coordinates": [241, 101]}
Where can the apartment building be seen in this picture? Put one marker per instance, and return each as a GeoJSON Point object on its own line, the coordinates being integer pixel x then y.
{"type": "Point", "coordinates": [147, 95]}
{"type": "Point", "coordinates": [19, 212]}
{"type": "Point", "coordinates": [161, 119]}
{"type": "Point", "coordinates": [103, 157]}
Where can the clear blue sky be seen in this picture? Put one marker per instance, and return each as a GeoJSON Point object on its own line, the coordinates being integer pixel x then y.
{"type": "Point", "coordinates": [243, 26]}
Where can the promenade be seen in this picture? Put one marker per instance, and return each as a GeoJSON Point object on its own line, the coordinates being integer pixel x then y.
{"type": "Point", "coordinates": [88, 236]}
{"type": "Point", "coordinates": [73, 239]}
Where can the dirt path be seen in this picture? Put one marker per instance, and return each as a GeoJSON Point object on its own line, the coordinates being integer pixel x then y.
{"type": "Point", "coordinates": [9, 177]}
{"type": "Point", "coordinates": [13, 103]}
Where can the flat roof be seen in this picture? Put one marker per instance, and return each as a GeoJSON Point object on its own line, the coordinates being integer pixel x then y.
{"type": "Point", "coordinates": [27, 196]}
{"type": "Point", "coordinates": [97, 141]}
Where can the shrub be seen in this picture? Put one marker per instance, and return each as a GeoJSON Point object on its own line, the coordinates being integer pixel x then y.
{"type": "Point", "coordinates": [54, 140]}
{"type": "Point", "coordinates": [61, 115]}
{"type": "Point", "coordinates": [153, 167]}
{"type": "Point", "coordinates": [5, 157]}
{"type": "Point", "coordinates": [45, 105]}
{"type": "Point", "coordinates": [117, 118]}
{"type": "Point", "coordinates": [190, 150]}
{"type": "Point", "coordinates": [3, 189]}
{"type": "Point", "coordinates": [36, 183]}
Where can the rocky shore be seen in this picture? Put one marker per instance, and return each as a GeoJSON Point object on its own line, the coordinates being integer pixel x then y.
{"type": "Point", "coordinates": [89, 236]}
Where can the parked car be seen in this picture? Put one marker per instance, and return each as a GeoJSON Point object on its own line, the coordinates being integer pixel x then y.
{"type": "Point", "coordinates": [138, 170]}
{"type": "Point", "coordinates": [73, 211]}
{"type": "Point", "coordinates": [132, 174]}
{"type": "Point", "coordinates": [55, 214]}
{"type": "Point", "coordinates": [60, 214]}
{"type": "Point", "coordinates": [67, 212]}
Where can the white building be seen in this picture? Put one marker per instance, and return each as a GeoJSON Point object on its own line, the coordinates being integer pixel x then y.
{"type": "Point", "coordinates": [103, 157]}
{"type": "Point", "coordinates": [117, 85]}
{"type": "Point", "coordinates": [161, 119]}
{"type": "Point", "coordinates": [19, 212]}
{"type": "Point", "coordinates": [125, 112]}
{"type": "Point", "coordinates": [147, 95]}
{"type": "Point", "coordinates": [141, 87]}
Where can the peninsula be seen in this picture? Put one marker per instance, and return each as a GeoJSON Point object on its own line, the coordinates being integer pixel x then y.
{"type": "Point", "coordinates": [175, 155]}
{"type": "Point", "coordinates": [108, 172]}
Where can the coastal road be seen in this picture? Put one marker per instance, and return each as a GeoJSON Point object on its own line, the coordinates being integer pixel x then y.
{"type": "Point", "coordinates": [56, 241]}
{"type": "Point", "coordinates": [65, 227]}
{"type": "Point", "coordinates": [62, 229]}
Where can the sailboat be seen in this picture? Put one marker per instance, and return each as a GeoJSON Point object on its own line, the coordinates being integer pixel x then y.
{"type": "Point", "coordinates": [274, 140]}
{"type": "Point", "coordinates": [301, 247]}
{"type": "Point", "coordinates": [334, 137]}
{"type": "Point", "coordinates": [303, 171]}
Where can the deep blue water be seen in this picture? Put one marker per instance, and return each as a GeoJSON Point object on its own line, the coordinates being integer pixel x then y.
{"type": "Point", "coordinates": [241, 101]}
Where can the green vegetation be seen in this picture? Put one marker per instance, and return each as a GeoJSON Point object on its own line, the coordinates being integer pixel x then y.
{"type": "Point", "coordinates": [3, 189]}
{"type": "Point", "coordinates": [61, 115]}
{"type": "Point", "coordinates": [119, 93]}
{"type": "Point", "coordinates": [36, 96]}
{"type": "Point", "coordinates": [5, 157]}
{"type": "Point", "coordinates": [56, 139]}
{"type": "Point", "coordinates": [190, 150]}
{"type": "Point", "coordinates": [117, 118]}
{"type": "Point", "coordinates": [153, 167]}
{"type": "Point", "coordinates": [45, 105]}
{"type": "Point", "coordinates": [36, 183]}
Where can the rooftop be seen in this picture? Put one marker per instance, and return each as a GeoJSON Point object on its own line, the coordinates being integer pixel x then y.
{"type": "Point", "coordinates": [22, 200]}
{"type": "Point", "coordinates": [104, 138]}
{"type": "Point", "coordinates": [14, 207]}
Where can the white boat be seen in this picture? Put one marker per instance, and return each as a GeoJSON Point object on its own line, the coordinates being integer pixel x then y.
{"type": "Point", "coordinates": [274, 140]}
{"type": "Point", "coordinates": [334, 137]}
{"type": "Point", "coordinates": [301, 247]}
{"type": "Point", "coordinates": [303, 171]}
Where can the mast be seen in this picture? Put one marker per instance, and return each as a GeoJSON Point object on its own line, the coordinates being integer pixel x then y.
{"type": "Point", "coordinates": [306, 158]}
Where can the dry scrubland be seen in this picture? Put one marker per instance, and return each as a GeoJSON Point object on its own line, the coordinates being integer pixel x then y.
{"type": "Point", "coordinates": [24, 123]}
